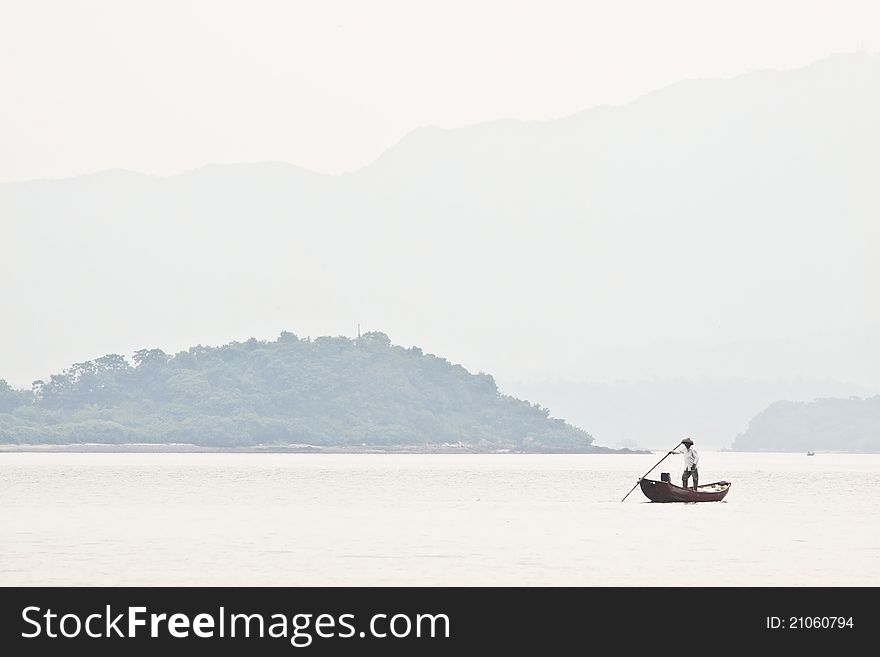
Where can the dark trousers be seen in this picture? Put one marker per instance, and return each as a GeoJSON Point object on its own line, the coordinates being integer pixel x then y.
{"type": "Point", "coordinates": [690, 473]}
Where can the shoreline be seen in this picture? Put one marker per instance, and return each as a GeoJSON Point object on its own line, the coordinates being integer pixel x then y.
{"type": "Point", "coordinates": [185, 448]}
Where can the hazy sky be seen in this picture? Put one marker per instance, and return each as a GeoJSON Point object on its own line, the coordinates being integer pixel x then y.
{"type": "Point", "coordinates": [163, 86]}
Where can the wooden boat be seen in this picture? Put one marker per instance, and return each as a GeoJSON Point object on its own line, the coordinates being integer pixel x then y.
{"type": "Point", "coordinates": [664, 491]}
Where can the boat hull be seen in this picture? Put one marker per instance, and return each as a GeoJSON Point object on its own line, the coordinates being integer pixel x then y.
{"type": "Point", "coordinates": [663, 491]}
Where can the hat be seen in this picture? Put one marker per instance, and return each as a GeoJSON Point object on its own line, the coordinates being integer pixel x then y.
{"type": "Point", "coordinates": [687, 441]}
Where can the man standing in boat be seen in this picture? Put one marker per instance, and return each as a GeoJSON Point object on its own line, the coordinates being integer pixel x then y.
{"type": "Point", "coordinates": [691, 458]}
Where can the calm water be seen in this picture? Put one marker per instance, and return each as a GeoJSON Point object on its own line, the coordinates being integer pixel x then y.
{"type": "Point", "coordinates": [265, 519]}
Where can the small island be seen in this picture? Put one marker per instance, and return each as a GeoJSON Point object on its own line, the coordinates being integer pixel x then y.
{"type": "Point", "coordinates": [828, 425]}
{"type": "Point", "coordinates": [329, 394]}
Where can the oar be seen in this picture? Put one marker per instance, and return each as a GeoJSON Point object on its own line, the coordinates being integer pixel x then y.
{"type": "Point", "coordinates": [649, 471]}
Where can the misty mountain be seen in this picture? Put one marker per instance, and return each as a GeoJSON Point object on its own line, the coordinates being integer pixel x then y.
{"type": "Point", "coordinates": [686, 234]}
{"type": "Point", "coordinates": [836, 425]}
{"type": "Point", "coordinates": [327, 392]}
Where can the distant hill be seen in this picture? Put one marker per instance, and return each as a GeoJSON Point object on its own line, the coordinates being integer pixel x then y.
{"type": "Point", "coordinates": [840, 425]}
{"type": "Point", "coordinates": [327, 392]}
{"type": "Point", "coordinates": [711, 212]}
{"type": "Point", "coordinates": [651, 413]}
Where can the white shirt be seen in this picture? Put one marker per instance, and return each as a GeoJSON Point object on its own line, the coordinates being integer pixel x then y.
{"type": "Point", "coordinates": [690, 459]}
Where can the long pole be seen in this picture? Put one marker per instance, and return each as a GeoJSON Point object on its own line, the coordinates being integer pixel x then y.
{"type": "Point", "coordinates": [649, 471]}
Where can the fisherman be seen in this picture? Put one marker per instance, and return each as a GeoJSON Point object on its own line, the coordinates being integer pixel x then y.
{"type": "Point", "coordinates": [691, 458]}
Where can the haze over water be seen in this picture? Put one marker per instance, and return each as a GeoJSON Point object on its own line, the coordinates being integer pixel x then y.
{"type": "Point", "coordinates": [334, 520]}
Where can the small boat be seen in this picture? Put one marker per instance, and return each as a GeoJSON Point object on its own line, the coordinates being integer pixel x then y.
{"type": "Point", "coordinates": [811, 453]}
{"type": "Point", "coordinates": [664, 491]}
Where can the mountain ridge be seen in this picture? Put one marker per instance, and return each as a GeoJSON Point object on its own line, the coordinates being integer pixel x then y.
{"type": "Point", "coordinates": [651, 224]}
{"type": "Point", "coordinates": [647, 97]}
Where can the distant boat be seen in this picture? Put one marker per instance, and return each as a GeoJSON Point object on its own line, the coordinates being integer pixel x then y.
{"type": "Point", "coordinates": [663, 491]}
{"type": "Point", "coordinates": [811, 453]}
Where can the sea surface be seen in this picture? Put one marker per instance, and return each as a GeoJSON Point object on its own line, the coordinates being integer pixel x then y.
{"type": "Point", "coordinates": [437, 520]}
